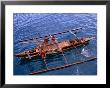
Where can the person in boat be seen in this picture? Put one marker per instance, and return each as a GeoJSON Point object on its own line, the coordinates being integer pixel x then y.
{"type": "Point", "coordinates": [82, 40]}
{"type": "Point", "coordinates": [46, 40]}
{"type": "Point", "coordinates": [43, 53]}
{"type": "Point", "coordinates": [45, 43]}
{"type": "Point", "coordinates": [55, 42]}
{"type": "Point", "coordinates": [28, 54]}
{"type": "Point", "coordinates": [75, 42]}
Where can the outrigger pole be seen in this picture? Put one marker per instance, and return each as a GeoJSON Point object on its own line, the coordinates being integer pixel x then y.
{"type": "Point", "coordinates": [45, 63]}
{"type": "Point", "coordinates": [64, 66]}
{"type": "Point", "coordinates": [75, 30]}
{"type": "Point", "coordinates": [73, 34]}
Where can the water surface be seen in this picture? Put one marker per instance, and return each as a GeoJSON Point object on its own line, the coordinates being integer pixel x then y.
{"type": "Point", "coordinates": [30, 25]}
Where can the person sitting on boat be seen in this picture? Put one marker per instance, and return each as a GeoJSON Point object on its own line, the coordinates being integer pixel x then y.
{"type": "Point", "coordinates": [39, 49]}
{"type": "Point", "coordinates": [53, 40]}
{"type": "Point", "coordinates": [28, 54]}
{"type": "Point", "coordinates": [46, 43]}
{"type": "Point", "coordinates": [76, 41]}
{"type": "Point", "coordinates": [46, 40]}
{"type": "Point", "coordinates": [82, 40]}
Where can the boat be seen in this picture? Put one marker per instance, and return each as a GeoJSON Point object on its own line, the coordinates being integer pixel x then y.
{"type": "Point", "coordinates": [54, 48]}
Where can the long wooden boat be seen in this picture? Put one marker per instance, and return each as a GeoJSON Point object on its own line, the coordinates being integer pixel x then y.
{"type": "Point", "coordinates": [55, 48]}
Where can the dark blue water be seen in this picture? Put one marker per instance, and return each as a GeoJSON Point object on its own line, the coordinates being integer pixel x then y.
{"type": "Point", "coordinates": [29, 25]}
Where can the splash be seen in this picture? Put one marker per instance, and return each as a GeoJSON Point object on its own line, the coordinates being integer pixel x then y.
{"type": "Point", "coordinates": [85, 52]}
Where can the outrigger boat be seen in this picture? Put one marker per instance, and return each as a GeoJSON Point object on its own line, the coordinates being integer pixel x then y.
{"type": "Point", "coordinates": [50, 45]}
{"type": "Point", "coordinates": [54, 48]}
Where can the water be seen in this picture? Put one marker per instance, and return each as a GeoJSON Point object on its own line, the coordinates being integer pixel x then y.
{"type": "Point", "coordinates": [30, 25]}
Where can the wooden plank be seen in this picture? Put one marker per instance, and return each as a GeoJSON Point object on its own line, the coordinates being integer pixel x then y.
{"type": "Point", "coordinates": [64, 66]}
